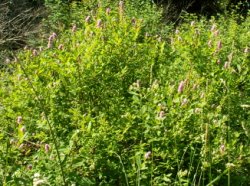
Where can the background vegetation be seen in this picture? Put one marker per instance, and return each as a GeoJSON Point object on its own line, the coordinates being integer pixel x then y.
{"type": "Point", "coordinates": [120, 93]}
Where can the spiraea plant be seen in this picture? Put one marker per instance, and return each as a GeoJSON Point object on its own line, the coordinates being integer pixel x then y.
{"type": "Point", "coordinates": [109, 102]}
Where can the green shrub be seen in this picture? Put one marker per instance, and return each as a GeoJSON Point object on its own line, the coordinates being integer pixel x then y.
{"type": "Point", "coordinates": [107, 102]}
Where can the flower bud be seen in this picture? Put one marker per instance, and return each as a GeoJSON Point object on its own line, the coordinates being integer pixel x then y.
{"type": "Point", "coordinates": [23, 129]}
{"type": "Point", "coordinates": [147, 155]}
{"type": "Point", "coordinates": [222, 149]}
{"type": "Point", "coordinates": [21, 146]}
{"type": "Point", "coordinates": [197, 110]}
{"type": "Point", "coordinates": [47, 148]}
{"type": "Point", "coordinates": [161, 115]}
{"type": "Point", "coordinates": [34, 52]}
{"type": "Point", "coordinates": [29, 167]}
{"type": "Point", "coordinates": [133, 21]}
{"type": "Point", "coordinates": [87, 19]}
{"type": "Point", "coordinates": [99, 23]}
{"type": "Point", "coordinates": [51, 38]}
{"type": "Point", "coordinates": [12, 141]}
{"type": "Point", "coordinates": [108, 10]}
{"type": "Point", "coordinates": [19, 119]}
{"type": "Point", "coordinates": [73, 28]}
{"type": "Point", "coordinates": [49, 44]}
{"type": "Point", "coordinates": [181, 87]}
{"type": "Point", "coordinates": [54, 35]}
{"type": "Point", "coordinates": [60, 47]}
{"type": "Point", "coordinates": [213, 27]}
{"type": "Point", "coordinates": [246, 50]}
{"type": "Point", "coordinates": [219, 45]}
{"type": "Point", "coordinates": [184, 101]}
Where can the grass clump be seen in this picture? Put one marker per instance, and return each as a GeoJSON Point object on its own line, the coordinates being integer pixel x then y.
{"type": "Point", "coordinates": [109, 102]}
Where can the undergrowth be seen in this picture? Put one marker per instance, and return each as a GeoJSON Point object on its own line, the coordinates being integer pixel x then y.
{"type": "Point", "coordinates": [111, 101]}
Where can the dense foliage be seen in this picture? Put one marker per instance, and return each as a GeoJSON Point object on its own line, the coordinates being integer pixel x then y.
{"type": "Point", "coordinates": [113, 100]}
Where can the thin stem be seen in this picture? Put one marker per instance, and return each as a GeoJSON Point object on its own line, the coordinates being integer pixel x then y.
{"type": "Point", "coordinates": [196, 172]}
{"type": "Point", "coordinates": [138, 172]}
{"type": "Point", "coordinates": [123, 168]}
{"type": "Point", "coordinates": [217, 178]}
{"type": "Point", "coordinates": [228, 174]}
{"type": "Point", "coordinates": [6, 163]}
{"type": "Point", "coordinates": [53, 135]}
{"type": "Point", "coordinates": [152, 164]}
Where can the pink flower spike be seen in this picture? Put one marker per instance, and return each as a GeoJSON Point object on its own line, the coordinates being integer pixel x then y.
{"type": "Point", "coordinates": [50, 38]}
{"type": "Point", "coordinates": [219, 45]}
{"type": "Point", "coordinates": [47, 148]}
{"type": "Point", "coordinates": [108, 10]}
{"type": "Point", "coordinates": [49, 44]}
{"type": "Point", "coordinates": [54, 35]}
{"type": "Point", "coordinates": [181, 87]}
{"type": "Point", "coordinates": [87, 19]}
{"type": "Point", "coordinates": [99, 23]}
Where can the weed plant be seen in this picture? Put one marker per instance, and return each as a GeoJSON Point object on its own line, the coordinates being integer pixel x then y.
{"type": "Point", "coordinates": [107, 103]}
